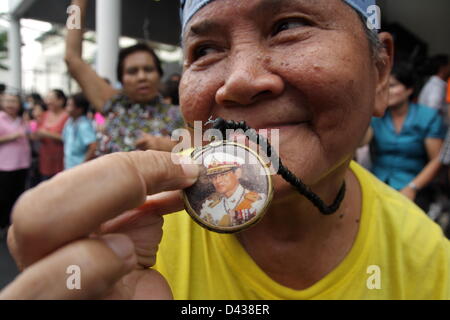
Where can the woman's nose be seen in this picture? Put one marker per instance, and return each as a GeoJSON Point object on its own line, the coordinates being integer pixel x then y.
{"type": "Point", "coordinates": [249, 80]}
{"type": "Point", "coordinates": [142, 74]}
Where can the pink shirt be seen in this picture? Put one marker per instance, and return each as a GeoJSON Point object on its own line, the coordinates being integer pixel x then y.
{"type": "Point", "coordinates": [14, 155]}
{"type": "Point", "coordinates": [33, 126]}
{"type": "Point", "coordinates": [99, 119]}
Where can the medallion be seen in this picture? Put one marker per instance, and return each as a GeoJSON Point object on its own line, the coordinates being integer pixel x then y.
{"type": "Point", "coordinates": [234, 188]}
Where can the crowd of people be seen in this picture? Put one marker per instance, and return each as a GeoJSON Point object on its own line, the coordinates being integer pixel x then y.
{"type": "Point", "coordinates": [406, 147]}
{"type": "Point", "coordinates": [40, 137]}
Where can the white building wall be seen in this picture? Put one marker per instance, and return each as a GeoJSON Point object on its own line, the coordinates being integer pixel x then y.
{"type": "Point", "coordinates": [45, 68]}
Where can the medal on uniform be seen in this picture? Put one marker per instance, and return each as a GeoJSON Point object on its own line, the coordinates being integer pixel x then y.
{"type": "Point", "coordinates": [234, 188]}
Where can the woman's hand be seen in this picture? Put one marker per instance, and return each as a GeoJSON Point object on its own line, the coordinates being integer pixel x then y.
{"type": "Point", "coordinates": [44, 134]}
{"type": "Point", "coordinates": [12, 137]}
{"type": "Point", "coordinates": [94, 217]}
{"type": "Point", "coordinates": [39, 134]}
{"type": "Point", "coordinates": [409, 192]}
{"type": "Point", "coordinates": [17, 135]}
{"type": "Point", "coordinates": [151, 142]}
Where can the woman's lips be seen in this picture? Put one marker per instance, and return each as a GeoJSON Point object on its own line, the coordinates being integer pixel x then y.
{"type": "Point", "coordinates": [143, 89]}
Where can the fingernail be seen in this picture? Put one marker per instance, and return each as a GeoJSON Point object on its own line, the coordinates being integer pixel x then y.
{"type": "Point", "coordinates": [120, 244]}
{"type": "Point", "coordinates": [190, 169]}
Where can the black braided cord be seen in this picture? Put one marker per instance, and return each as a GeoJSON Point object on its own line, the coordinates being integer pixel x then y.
{"type": "Point", "coordinates": [223, 125]}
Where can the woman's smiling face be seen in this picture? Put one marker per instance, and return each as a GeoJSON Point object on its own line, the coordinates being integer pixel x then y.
{"type": "Point", "coordinates": [302, 66]}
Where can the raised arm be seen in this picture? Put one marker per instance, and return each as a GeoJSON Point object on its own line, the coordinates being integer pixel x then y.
{"type": "Point", "coordinates": [96, 89]}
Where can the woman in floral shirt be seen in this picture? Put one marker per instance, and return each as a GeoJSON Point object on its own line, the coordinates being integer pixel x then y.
{"type": "Point", "coordinates": [136, 117]}
{"type": "Point", "coordinates": [131, 125]}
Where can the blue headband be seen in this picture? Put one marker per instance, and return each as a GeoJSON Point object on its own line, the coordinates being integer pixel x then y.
{"type": "Point", "coordinates": [190, 7]}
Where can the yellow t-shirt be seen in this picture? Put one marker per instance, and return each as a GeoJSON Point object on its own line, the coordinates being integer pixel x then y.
{"type": "Point", "coordinates": [399, 253]}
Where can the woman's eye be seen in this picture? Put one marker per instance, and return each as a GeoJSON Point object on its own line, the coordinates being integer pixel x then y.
{"type": "Point", "coordinates": [203, 51]}
{"type": "Point", "coordinates": [288, 24]}
{"type": "Point", "coordinates": [132, 71]}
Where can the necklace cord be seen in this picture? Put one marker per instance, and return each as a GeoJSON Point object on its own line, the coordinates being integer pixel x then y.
{"type": "Point", "coordinates": [303, 189]}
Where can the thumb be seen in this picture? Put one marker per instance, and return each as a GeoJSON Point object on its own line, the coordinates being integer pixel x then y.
{"type": "Point", "coordinates": [84, 269]}
{"type": "Point", "coordinates": [164, 171]}
{"type": "Point", "coordinates": [83, 198]}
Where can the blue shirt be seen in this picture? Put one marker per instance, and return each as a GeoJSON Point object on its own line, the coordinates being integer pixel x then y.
{"type": "Point", "coordinates": [77, 135]}
{"type": "Point", "coordinates": [399, 157]}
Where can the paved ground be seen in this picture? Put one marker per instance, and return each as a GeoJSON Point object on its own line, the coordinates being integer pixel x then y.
{"type": "Point", "coordinates": [8, 270]}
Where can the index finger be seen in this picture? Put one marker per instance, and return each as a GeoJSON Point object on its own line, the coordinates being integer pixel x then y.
{"type": "Point", "coordinates": [76, 202]}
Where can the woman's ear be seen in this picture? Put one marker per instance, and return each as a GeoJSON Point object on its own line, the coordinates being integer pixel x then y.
{"type": "Point", "coordinates": [383, 63]}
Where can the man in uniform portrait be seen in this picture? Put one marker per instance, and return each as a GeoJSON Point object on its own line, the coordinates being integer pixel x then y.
{"type": "Point", "coordinates": [231, 204]}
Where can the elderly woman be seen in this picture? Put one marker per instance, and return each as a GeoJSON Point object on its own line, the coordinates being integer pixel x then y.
{"type": "Point", "coordinates": [305, 67]}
